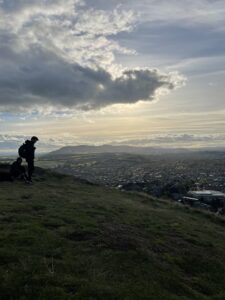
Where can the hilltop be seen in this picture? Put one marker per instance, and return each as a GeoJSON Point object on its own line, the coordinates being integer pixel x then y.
{"type": "Point", "coordinates": [64, 238]}
{"type": "Point", "coordinates": [90, 149]}
{"type": "Point", "coordinates": [143, 150]}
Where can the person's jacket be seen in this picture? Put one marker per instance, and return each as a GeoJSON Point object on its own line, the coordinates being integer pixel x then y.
{"type": "Point", "coordinates": [30, 149]}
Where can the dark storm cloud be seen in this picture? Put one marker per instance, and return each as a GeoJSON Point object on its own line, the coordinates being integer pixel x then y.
{"type": "Point", "coordinates": [40, 77]}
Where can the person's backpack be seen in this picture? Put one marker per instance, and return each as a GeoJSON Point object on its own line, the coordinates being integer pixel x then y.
{"type": "Point", "coordinates": [22, 151]}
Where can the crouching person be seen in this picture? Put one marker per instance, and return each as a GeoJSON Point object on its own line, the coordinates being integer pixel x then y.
{"type": "Point", "coordinates": [17, 171]}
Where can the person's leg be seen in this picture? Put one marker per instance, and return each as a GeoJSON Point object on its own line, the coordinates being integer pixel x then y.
{"type": "Point", "coordinates": [30, 168]}
{"type": "Point", "coordinates": [23, 174]}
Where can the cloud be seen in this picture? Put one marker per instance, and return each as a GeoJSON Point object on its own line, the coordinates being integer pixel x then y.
{"type": "Point", "coordinates": [60, 53]}
{"type": "Point", "coordinates": [188, 12]}
{"type": "Point", "coordinates": [57, 82]}
{"type": "Point", "coordinates": [9, 144]}
{"type": "Point", "coordinates": [178, 140]}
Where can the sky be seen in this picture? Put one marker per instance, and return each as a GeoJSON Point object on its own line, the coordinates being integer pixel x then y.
{"type": "Point", "coordinates": [146, 73]}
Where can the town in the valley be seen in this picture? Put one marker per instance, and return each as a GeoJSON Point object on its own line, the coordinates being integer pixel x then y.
{"type": "Point", "coordinates": [196, 179]}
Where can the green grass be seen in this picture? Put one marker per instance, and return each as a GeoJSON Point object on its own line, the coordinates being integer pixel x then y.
{"type": "Point", "coordinates": [62, 238]}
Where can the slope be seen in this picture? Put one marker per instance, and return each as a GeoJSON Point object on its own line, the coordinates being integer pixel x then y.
{"type": "Point", "coordinates": [62, 238]}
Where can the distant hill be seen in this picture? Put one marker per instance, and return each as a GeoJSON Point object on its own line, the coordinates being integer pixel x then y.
{"type": "Point", "coordinates": [64, 238]}
{"type": "Point", "coordinates": [86, 149]}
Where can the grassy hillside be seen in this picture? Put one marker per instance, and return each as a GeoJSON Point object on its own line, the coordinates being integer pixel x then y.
{"type": "Point", "coordinates": [61, 238]}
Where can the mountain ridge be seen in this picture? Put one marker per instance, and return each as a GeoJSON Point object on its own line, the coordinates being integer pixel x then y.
{"type": "Point", "coordinates": [145, 150]}
{"type": "Point", "coordinates": [87, 149]}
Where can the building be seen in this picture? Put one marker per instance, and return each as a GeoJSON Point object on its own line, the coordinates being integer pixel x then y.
{"type": "Point", "coordinates": [215, 199]}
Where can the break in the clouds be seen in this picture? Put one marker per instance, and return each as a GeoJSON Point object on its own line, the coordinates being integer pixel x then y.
{"type": "Point", "coordinates": [61, 53]}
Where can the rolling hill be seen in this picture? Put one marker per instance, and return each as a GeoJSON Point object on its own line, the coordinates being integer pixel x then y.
{"type": "Point", "coordinates": [134, 150]}
{"type": "Point", "coordinates": [64, 238]}
{"type": "Point", "coordinates": [89, 149]}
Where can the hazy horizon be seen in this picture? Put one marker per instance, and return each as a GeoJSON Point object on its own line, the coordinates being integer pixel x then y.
{"type": "Point", "coordinates": [45, 148]}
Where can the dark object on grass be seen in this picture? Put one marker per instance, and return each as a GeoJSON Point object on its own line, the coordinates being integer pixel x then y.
{"type": "Point", "coordinates": [17, 171]}
{"type": "Point", "coordinates": [4, 172]}
{"type": "Point", "coordinates": [4, 176]}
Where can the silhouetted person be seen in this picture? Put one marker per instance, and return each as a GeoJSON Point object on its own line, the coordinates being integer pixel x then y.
{"type": "Point", "coordinates": [17, 171]}
{"type": "Point", "coordinates": [27, 151]}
